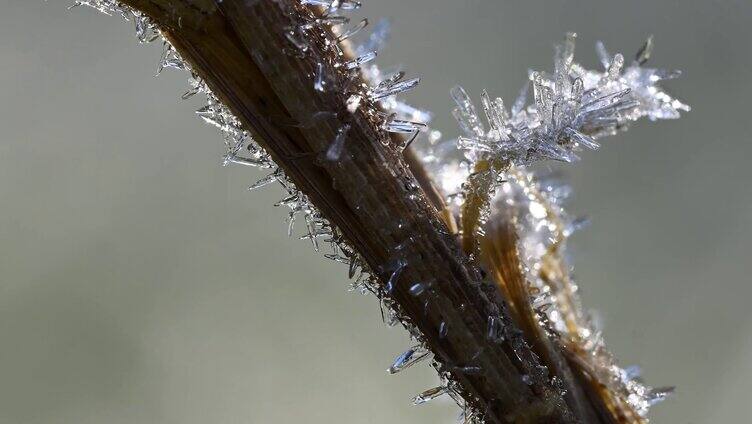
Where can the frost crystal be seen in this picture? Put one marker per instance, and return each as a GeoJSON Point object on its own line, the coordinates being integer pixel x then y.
{"type": "Point", "coordinates": [430, 395]}
{"type": "Point", "coordinates": [572, 108]}
{"type": "Point", "coordinates": [408, 358]}
{"type": "Point", "coordinates": [108, 7]}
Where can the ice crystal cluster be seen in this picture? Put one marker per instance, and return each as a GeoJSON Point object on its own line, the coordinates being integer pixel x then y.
{"type": "Point", "coordinates": [571, 109]}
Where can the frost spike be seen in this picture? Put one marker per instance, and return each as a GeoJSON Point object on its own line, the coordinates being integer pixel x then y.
{"type": "Point", "coordinates": [269, 179]}
{"type": "Point", "coordinates": [465, 112]}
{"type": "Point", "coordinates": [408, 358]}
{"type": "Point", "coordinates": [582, 139]}
{"type": "Point", "coordinates": [355, 63]}
{"type": "Point", "coordinates": [614, 68]}
{"type": "Point", "coordinates": [569, 46]}
{"type": "Point", "coordinates": [394, 125]}
{"type": "Point", "coordinates": [394, 277]}
{"type": "Point", "coordinates": [645, 51]}
{"type": "Point", "coordinates": [443, 329]}
{"type": "Point", "coordinates": [319, 80]}
{"type": "Point", "coordinates": [429, 395]}
{"type": "Point", "coordinates": [657, 395]}
{"type": "Point", "coordinates": [494, 111]}
{"type": "Point", "coordinates": [396, 88]}
{"type": "Point", "coordinates": [334, 151]}
{"type": "Point", "coordinates": [417, 289]}
{"type": "Point", "coordinates": [333, 5]}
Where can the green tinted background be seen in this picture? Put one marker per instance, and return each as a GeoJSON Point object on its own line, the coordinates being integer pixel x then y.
{"type": "Point", "coordinates": [141, 283]}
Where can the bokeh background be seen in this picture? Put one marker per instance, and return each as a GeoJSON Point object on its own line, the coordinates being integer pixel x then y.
{"type": "Point", "coordinates": [141, 283]}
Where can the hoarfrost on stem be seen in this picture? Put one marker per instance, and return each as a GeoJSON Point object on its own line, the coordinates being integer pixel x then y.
{"type": "Point", "coordinates": [571, 109]}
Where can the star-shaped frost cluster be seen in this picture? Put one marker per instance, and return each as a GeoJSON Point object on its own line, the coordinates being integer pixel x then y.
{"type": "Point", "coordinates": [572, 108]}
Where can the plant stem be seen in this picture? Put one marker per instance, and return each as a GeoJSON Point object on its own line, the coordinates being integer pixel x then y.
{"type": "Point", "coordinates": [371, 194]}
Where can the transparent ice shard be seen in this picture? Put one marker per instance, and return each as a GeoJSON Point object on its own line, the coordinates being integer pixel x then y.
{"type": "Point", "coordinates": [108, 7]}
{"type": "Point", "coordinates": [319, 78]}
{"type": "Point", "coordinates": [365, 58]}
{"type": "Point", "coordinates": [333, 5]}
{"type": "Point", "coordinates": [658, 395]}
{"type": "Point", "coordinates": [146, 31]}
{"type": "Point", "coordinates": [465, 113]}
{"type": "Point", "coordinates": [572, 108]}
{"type": "Point", "coordinates": [645, 52]}
{"type": "Point", "coordinates": [494, 328]}
{"type": "Point", "coordinates": [418, 288]}
{"type": "Point", "coordinates": [298, 41]}
{"type": "Point", "coordinates": [269, 179]}
{"type": "Point", "coordinates": [615, 67]}
{"type": "Point", "coordinates": [429, 395]}
{"type": "Point", "coordinates": [334, 152]}
{"type": "Point", "coordinates": [582, 139]}
{"type": "Point", "coordinates": [392, 124]}
{"type": "Point", "coordinates": [443, 329]}
{"type": "Point", "coordinates": [393, 86]}
{"type": "Point", "coordinates": [170, 59]}
{"type": "Point", "coordinates": [408, 358]}
{"type": "Point", "coordinates": [395, 275]}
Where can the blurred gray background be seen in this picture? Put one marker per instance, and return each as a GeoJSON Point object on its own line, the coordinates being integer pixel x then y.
{"type": "Point", "coordinates": [141, 283]}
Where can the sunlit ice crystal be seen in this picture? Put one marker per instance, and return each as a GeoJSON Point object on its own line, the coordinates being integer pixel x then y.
{"type": "Point", "coordinates": [298, 41]}
{"type": "Point", "coordinates": [170, 59]}
{"type": "Point", "coordinates": [335, 149]}
{"type": "Point", "coordinates": [571, 108]}
{"type": "Point", "coordinates": [408, 358]}
{"type": "Point", "coordinates": [358, 61]}
{"type": "Point", "coordinates": [108, 7]}
{"type": "Point", "coordinates": [393, 85]}
{"type": "Point", "coordinates": [197, 86]}
{"type": "Point", "coordinates": [319, 83]}
{"type": "Point", "coordinates": [333, 5]}
{"type": "Point", "coordinates": [397, 270]}
{"type": "Point", "coordinates": [392, 124]}
{"type": "Point", "coordinates": [146, 30]}
{"type": "Point", "coordinates": [443, 331]}
{"type": "Point", "coordinates": [626, 383]}
{"type": "Point", "coordinates": [430, 395]}
{"type": "Point", "coordinates": [418, 289]}
{"type": "Point", "coordinates": [275, 176]}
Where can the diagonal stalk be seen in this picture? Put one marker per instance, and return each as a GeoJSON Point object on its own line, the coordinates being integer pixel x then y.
{"type": "Point", "coordinates": [380, 201]}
